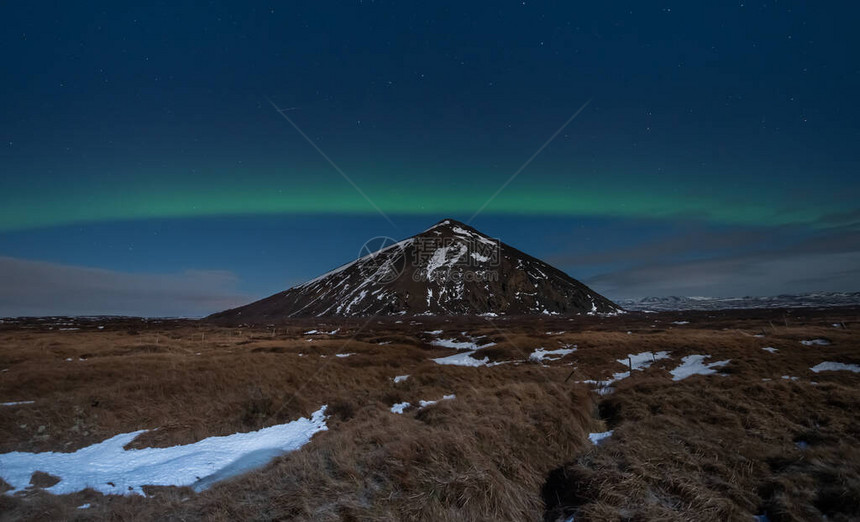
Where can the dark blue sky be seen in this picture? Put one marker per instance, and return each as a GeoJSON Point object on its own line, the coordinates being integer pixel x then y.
{"type": "Point", "coordinates": [718, 153]}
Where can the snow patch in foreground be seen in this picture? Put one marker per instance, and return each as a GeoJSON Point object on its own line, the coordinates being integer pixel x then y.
{"type": "Point", "coordinates": [695, 365]}
{"type": "Point", "coordinates": [108, 468]}
{"type": "Point", "coordinates": [640, 361]}
{"type": "Point", "coordinates": [399, 407]}
{"type": "Point", "coordinates": [320, 332]}
{"type": "Point", "coordinates": [830, 366]}
{"type": "Point", "coordinates": [459, 345]}
{"type": "Point", "coordinates": [463, 359]}
{"type": "Point", "coordinates": [400, 378]}
{"type": "Point", "coordinates": [540, 354]}
{"type": "Point", "coordinates": [596, 438]}
{"type": "Point", "coordinates": [815, 342]}
{"type": "Point", "coordinates": [634, 361]}
{"type": "Point", "coordinates": [770, 349]}
{"type": "Point", "coordinates": [16, 403]}
{"type": "Point", "coordinates": [424, 404]}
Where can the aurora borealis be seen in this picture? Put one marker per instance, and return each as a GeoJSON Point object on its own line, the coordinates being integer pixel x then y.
{"type": "Point", "coordinates": [138, 139]}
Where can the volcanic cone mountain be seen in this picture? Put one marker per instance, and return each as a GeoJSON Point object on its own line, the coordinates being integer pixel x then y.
{"type": "Point", "coordinates": [449, 269]}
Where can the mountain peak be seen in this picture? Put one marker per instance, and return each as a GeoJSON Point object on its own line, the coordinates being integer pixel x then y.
{"type": "Point", "coordinates": [449, 269]}
{"type": "Point", "coordinates": [449, 224]}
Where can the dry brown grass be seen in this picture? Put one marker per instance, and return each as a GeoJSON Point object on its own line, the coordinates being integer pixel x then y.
{"type": "Point", "coordinates": [694, 450]}
{"type": "Point", "coordinates": [511, 446]}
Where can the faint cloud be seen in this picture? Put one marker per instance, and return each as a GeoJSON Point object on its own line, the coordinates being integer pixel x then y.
{"type": "Point", "coordinates": [849, 220]}
{"type": "Point", "coordinates": [746, 275]}
{"type": "Point", "coordinates": [702, 260]}
{"type": "Point", "coordinates": [695, 238]}
{"type": "Point", "coordinates": [40, 288]}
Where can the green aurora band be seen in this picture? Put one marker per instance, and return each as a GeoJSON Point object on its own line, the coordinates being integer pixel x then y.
{"type": "Point", "coordinates": [272, 192]}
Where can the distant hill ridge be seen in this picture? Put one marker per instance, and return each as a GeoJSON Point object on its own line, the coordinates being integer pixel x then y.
{"type": "Point", "coordinates": [815, 299]}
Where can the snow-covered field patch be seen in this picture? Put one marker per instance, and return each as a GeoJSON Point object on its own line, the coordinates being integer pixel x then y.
{"type": "Point", "coordinates": [770, 349]}
{"type": "Point", "coordinates": [16, 403]}
{"type": "Point", "coordinates": [640, 361]}
{"type": "Point", "coordinates": [815, 342]}
{"type": "Point", "coordinates": [596, 438]}
{"type": "Point", "coordinates": [458, 345]}
{"type": "Point", "coordinates": [695, 365]}
{"type": "Point", "coordinates": [637, 361]}
{"type": "Point", "coordinates": [541, 355]}
{"type": "Point", "coordinates": [318, 332]}
{"type": "Point", "coordinates": [400, 378]}
{"type": "Point", "coordinates": [399, 407]}
{"type": "Point", "coordinates": [463, 359]}
{"type": "Point", "coordinates": [830, 366]}
{"type": "Point", "coordinates": [424, 404]}
{"type": "Point", "coordinates": [110, 469]}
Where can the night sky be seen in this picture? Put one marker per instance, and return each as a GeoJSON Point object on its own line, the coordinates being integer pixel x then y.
{"type": "Point", "coordinates": [143, 169]}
